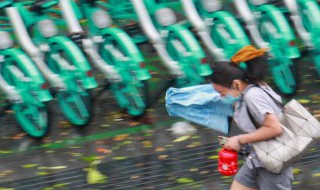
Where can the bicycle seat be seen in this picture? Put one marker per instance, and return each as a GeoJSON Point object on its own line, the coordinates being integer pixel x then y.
{"type": "Point", "coordinates": [40, 5]}
{"type": "Point", "coordinates": [6, 4]}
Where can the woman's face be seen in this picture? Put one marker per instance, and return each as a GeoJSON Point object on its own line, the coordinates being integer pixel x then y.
{"type": "Point", "coordinates": [224, 91]}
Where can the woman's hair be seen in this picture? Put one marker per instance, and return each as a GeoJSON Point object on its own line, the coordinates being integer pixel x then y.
{"type": "Point", "coordinates": [225, 72]}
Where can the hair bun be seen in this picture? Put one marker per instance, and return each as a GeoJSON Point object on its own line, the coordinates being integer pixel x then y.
{"type": "Point", "coordinates": [247, 53]}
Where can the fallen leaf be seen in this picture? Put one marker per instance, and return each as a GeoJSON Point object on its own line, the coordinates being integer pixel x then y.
{"type": "Point", "coordinates": [312, 149]}
{"type": "Point", "coordinates": [105, 126]}
{"type": "Point", "coordinates": [119, 158]}
{"type": "Point", "coordinates": [194, 170]}
{"type": "Point", "coordinates": [43, 173]}
{"type": "Point", "coordinates": [53, 168]}
{"type": "Point", "coordinates": [134, 177]}
{"type": "Point", "coordinates": [95, 177]}
{"type": "Point", "coordinates": [6, 173]}
{"type": "Point", "coordinates": [316, 111]}
{"type": "Point", "coordinates": [194, 144]}
{"type": "Point", "coordinates": [99, 142]}
{"type": "Point", "coordinates": [185, 180]}
{"type": "Point", "coordinates": [19, 136]}
{"type": "Point", "coordinates": [147, 144]}
{"type": "Point", "coordinates": [183, 138]}
{"type": "Point", "coordinates": [214, 157]}
{"type": "Point", "coordinates": [30, 165]}
{"type": "Point", "coordinates": [163, 157]}
{"type": "Point", "coordinates": [134, 123]}
{"type": "Point", "coordinates": [316, 175]}
{"type": "Point", "coordinates": [90, 158]}
{"type": "Point", "coordinates": [304, 101]}
{"type": "Point", "coordinates": [204, 172]}
{"type": "Point", "coordinates": [103, 150]}
{"type": "Point", "coordinates": [5, 152]}
{"type": "Point", "coordinates": [121, 137]}
{"type": "Point", "coordinates": [317, 115]}
{"type": "Point", "coordinates": [160, 149]}
{"type": "Point", "coordinates": [76, 154]}
{"type": "Point", "coordinates": [195, 137]}
{"type": "Point", "coordinates": [75, 147]}
{"type": "Point", "coordinates": [60, 185]}
{"type": "Point", "coordinates": [296, 171]}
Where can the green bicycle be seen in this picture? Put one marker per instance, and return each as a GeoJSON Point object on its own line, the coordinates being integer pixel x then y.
{"type": "Point", "coordinates": [112, 51]}
{"type": "Point", "coordinates": [175, 44]}
{"type": "Point", "coordinates": [305, 16]}
{"type": "Point", "coordinates": [269, 28]}
{"type": "Point", "coordinates": [58, 57]}
{"type": "Point", "coordinates": [219, 31]}
{"type": "Point", "coordinates": [23, 85]}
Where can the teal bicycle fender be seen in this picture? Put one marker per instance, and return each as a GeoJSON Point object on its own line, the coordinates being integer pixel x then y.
{"type": "Point", "coordinates": [188, 39]}
{"type": "Point", "coordinates": [283, 27]}
{"type": "Point", "coordinates": [313, 11]}
{"type": "Point", "coordinates": [278, 20]}
{"type": "Point", "coordinates": [29, 68]}
{"type": "Point", "coordinates": [192, 45]}
{"type": "Point", "coordinates": [130, 49]}
{"type": "Point", "coordinates": [77, 57]}
{"type": "Point", "coordinates": [125, 42]}
{"type": "Point", "coordinates": [233, 27]}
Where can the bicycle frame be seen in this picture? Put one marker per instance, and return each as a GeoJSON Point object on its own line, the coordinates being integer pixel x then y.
{"type": "Point", "coordinates": [29, 47]}
{"type": "Point", "coordinates": [174, 43]}
{"type": "Point", "coordinates": [23, 85]}
{"type": "Point", "coordinates": [74, 75]}
{"type": "Point", "coordinates": [268, 27]}
{"type": "Point", "coordinates": [113, 52]}
{"type": "Point", "coordinates": [304, 15]}
{"type": "Point", "coordinates": [276, 17]}
{"type": "Point", "coordinates": [82, 68]}
{"type": "Point", "coordinates": [214, 27]}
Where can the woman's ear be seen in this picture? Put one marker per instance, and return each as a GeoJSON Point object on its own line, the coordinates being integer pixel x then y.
{"type": "Point", "coordinates": [236, 85]}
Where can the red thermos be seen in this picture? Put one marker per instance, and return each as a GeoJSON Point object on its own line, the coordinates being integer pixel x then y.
{"type": "Point", "coordinates": [228, 162]}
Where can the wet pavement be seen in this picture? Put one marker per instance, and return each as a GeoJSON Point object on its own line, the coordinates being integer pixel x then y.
{"type": "Point", "coordinates": [119, 152]}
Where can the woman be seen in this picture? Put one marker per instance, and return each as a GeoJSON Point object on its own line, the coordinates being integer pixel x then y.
{"type": "Point", "coordinates": [245, 88]}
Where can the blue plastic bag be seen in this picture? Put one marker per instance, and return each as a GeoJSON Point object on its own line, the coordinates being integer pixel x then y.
{"type": "Point", "coordinates": [200, 104]}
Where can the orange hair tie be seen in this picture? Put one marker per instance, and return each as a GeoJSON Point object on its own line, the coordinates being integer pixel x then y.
{"type": "Point", "coordinates": [247, 53]}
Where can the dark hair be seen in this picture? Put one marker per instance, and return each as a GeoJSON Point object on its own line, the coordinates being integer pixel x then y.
{"type": "Point", "coordinates": [225, 72]}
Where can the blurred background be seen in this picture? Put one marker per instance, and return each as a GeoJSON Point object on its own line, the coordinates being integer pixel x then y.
{"type": "Point", "coordinates": [82, 87]}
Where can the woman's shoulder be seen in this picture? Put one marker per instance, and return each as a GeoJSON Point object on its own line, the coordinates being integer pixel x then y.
{"type": "Point", "coordinates": [253, 92]}
{"type": "Point", "coordinates": [261, 92]}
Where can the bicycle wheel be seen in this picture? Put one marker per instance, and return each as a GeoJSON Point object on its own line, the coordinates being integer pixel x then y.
{"type": "Point", "coordinates": [75, 102]}
{"type": "Point", "coordinates": [128, 93]}
{"type": "Point", "coordinates": [76, 107]}
{"type": "Point", "coordinates": [31, 114]}
{"type": "Point", "coordinates": [129, 97]}
{"type": "Point", "coordinates": [282, 68]}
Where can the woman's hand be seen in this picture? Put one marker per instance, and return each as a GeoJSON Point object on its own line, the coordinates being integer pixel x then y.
{"type": "Point", "coordinates": [233, 143]}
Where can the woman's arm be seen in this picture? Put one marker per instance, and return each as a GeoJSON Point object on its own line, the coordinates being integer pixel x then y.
{"type": "Point", "coordinates": [270, 128]}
